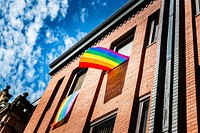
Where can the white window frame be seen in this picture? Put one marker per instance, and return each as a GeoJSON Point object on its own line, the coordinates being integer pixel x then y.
{"type": "Point", "coordinates": [124, 42]}
{"type": "Point", "coordinates": [153, 25]}
{"type": "Point", "coordinates": [197, 3]}
{"type": "Point", "coordinates": [100, 121]}
{"type": "Point", "coordinates": [141, 103]}
{"type": "Point", "coordinates": [72, 85]}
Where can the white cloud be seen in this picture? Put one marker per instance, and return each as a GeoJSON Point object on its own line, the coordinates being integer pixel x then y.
{"type": "Point", "coordinates": [21, 68]}
{"type": "Point", "coordinates": [80, 35]}
{"type": "Point", "coordinates": [69, 41]}
{"type": "Point", "coordinates": [42, 8]}
{"type": "Point", "coordinates": [6, 63]}
{"type": "Point", "coordinates": [101, 3]}
{"type": "Point", "coordinates": [30, 75]}
{"type": "Point", "coordinates": [50, 37]}
{"type": "Point", "coordinates": [53, 7]}
{"type": "Point", "coordinates": [84, 14]}
{"type": "Point", "coordinates": [19, 53]}
{"type": "Point", "coordinates": [17, 8]}
{"type": "Point", "coordinates": [104, 4]}
{"type": "Point", "coordinates": [35, 95]}
{"type": "Point", "coordinates": [32, 32]}
{"type": "Point", "coordinates": [16, 23]}
{"type": "Point", "coordinates": [51, 56]}
{"type": "Point", "coordinates": [41, 84]}
{"type": "Point", "coordinates": [64, 6]}
{"type": "Point", "coordinates": [48, 33]}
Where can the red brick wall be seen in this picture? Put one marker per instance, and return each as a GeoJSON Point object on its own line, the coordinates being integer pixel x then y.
{"type": "Point", "coordinates": [191, 99]}
{"type": "Point", "coordinates": [41, 106]}
{"type": "Point", "coordinates": [124, 102]}
{"type": "Point", "coordinates": [135, 84]}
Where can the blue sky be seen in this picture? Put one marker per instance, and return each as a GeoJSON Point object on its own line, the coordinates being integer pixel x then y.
{"type": "Point", "coordinates": [33, 33]}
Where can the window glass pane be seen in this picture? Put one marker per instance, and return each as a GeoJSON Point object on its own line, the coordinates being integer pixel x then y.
{"type": "Point", "coordinates": [152, 28]}
{"type": "Point", "coordinates": [144, 116]}
{"type": "Point", "coordinates": [198, 6]}
{"type": "Point", "coordinates": [105, 127]}
{"type": "Point", "coordinates": [125, 46]}
{"type": "Point", "coordinates": [78, 81]}
{"type": "Point", "coordinates": [54, 92]}
{"type": "Point", "coordinates": [155, 31]}
{"type": "Point", "coordinates": [126, 50]}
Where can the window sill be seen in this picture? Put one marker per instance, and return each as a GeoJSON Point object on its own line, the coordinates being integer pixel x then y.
{"type": "Point", "coordinates": [198, 14]}
{"type": "Point", "coordinates": [151, 44]}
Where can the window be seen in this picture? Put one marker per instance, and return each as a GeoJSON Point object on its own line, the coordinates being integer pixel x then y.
{"type": "Point", "coordinates": [77, 80]}
{"type": "Point", "coordinates": [197, 3]}
{"type": "Point", "coordinates": [103, 126]}
{"type": "Point", "coordinates": [123, 44]}
{"type": "Point", "coordinates": [49, 103]}
{"type": "Point", "coordinates": [116, 77]}
{"type": "Point", "coordinates": [124, 47]}
{"type": "Point", "coordinates": [153, 31]}
{"type": "Point", "coordinates": [74, 85]}
{"type": "Point", "coordinates": [142, 116]}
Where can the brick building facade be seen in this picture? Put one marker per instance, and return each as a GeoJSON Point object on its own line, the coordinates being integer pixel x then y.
{"type": "Point", "coordinates": [14, 116]}
{"type": "Point", "coordinates": [156, 90]}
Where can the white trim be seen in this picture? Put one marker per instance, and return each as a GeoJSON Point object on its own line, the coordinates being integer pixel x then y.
{"type": "Point", "coordinates": [197, 3]}
{"type": "Point", "coordinates": [141, 103]}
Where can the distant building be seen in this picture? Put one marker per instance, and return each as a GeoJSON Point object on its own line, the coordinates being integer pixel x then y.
{"type": "Point", "coordinates": [14, 116]}
{"type": "Point", "coordinates": [157, 90]}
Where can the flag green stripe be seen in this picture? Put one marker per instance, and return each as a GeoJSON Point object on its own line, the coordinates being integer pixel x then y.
{"type": "Point", "coordinates": [104, 55]}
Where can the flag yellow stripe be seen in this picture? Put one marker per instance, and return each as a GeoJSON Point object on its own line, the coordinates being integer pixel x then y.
{"type": "Point", "coordinates": [95, 61]}
{"type": "Point", "coordinates": [96, 57]}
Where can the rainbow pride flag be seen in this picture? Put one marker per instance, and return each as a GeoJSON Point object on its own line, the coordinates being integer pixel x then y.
{"type": "Point", "coordinates": [101, 58]}
{"type": "Point", "coordinates": [65, 107]}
